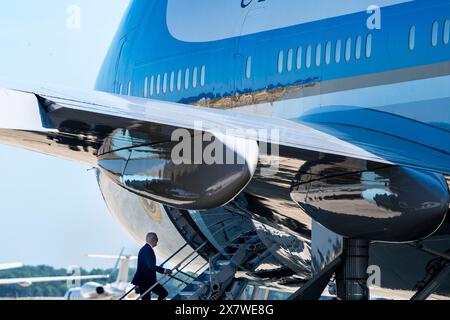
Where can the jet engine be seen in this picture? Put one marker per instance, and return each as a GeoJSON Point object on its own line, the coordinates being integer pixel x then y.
{"type": "Point", "coordinates": [92, 290]}
{"type": "Point", "coordinates": [363, 200]}
{"type": "Point", "coordinates": [193, 173]}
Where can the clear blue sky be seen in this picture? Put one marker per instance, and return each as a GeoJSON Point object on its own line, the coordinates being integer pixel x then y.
{"type": "Point", "coordinates": [58, 215]}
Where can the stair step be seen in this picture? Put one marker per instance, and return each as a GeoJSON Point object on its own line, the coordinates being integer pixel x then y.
{"type": "Point", "coordinates": [204, 278]}
{"type": "Point", "coordinates": [193, 287]}
{"type": "Point", "coordinates": [223, 262]}
{"type": "Point", "coordinates": [211, 272]}
{"type": "Point", "coordinates": [186, 293]}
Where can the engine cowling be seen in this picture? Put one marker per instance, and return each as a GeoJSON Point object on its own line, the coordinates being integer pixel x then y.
{"type": "Point", "coordinates": [151, 165]}
{"type": "Point", "coordinates": [369, 201]}
{"type": "Point", "coordinates": [92, 290]}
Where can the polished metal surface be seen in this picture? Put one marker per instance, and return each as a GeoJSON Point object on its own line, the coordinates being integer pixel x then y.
{"type": "Point", "coordinates": [138, 216]}
{"type": "Point", "coordinates": [369, 201]}
{"type": "Point", "coordinates": [83, 124]}
{"type": "Point", "coordinates": [151, 169]}
{"type": "Point", "coordinates": [98, 114]}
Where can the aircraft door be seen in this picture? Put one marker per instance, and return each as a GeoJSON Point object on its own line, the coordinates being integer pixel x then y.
{"type": "Point", "coordinates": [123, 70]}
{"type": "Point", "coordinates": [244, 56]}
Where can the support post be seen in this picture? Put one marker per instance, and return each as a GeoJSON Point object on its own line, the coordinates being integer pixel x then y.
{"type": "Point", "coordinates": [351, 276]}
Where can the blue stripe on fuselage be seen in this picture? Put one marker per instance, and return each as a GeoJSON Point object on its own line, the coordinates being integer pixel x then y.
{"type": "Point", "coordinates": [148, 49]}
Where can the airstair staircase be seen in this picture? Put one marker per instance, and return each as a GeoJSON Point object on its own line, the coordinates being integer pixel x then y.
{"type": "Point", "coordinates": [216, 279]}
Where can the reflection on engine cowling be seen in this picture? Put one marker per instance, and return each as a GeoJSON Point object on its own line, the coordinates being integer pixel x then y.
{"type": "Point", "coordinates": [357, 199]}
{"type": "Point", "coordinates": [146, 166]}
{"type": "Point", "coordinates": [92, 290]}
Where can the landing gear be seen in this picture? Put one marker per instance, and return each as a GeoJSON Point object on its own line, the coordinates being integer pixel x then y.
{"type": "Point", "coordinates": [438, 271]}
{"type": "Point", "coordinates": [350, 269]}
{"type": "Point", "coordinates": [351, 275]}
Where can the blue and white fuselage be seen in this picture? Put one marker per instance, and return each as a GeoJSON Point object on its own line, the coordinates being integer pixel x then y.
{"type": "Point", "coordinates": [376, 74]}
{"type": "Point", "coordinates": [293, 60]}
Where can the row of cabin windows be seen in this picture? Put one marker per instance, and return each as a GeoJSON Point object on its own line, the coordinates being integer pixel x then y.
{"type": "Point", "coordinates": [168, 83]}
{"type": "Point", "coordinates": [434, 34]}
{"type": "Point", "coordinates": [174, 82]}
{"type": "Point", "coordinates": [307, 58]}
{"type": "Point", "coordinates": [120, 90]}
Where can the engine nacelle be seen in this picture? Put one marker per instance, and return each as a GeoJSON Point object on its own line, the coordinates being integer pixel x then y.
{"type": "Point", "coordinates": [92, 290]}
{"type": "Point", "coordinates": [176, 173]}
{"type": "Point", "coordinates": [368, 201]}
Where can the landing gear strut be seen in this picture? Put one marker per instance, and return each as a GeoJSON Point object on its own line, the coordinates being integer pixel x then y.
{"type": "Point", "coordinates": [438, 271]}
{"type": "Point", "coordinates": [351, 275]}
{"type": "Point", "coordinates": [350, 269]}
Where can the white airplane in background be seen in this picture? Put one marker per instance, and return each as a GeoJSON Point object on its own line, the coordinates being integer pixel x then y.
{"type": "Point", "coordinates": [12, 265]}
{"type": "Point", "coordinates": [110, 291]}
{"type": "Point", "coordinates": [26, 282]}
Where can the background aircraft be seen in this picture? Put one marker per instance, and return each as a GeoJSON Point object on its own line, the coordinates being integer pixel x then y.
{"type": "Point", "coordinates": [26, 282]}
{"type": "Point", "coordinates": [110, 291]}
{"type": "Point", "coordinates": [12, 265]}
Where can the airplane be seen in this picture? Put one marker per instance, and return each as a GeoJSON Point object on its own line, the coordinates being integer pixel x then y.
{"type": "Point", "coordinates": [110, 291]}
{"type": "Point", "coordinates": [328, 124]}
{"type": "Point", "coordinates": [11, 265]}
{"type": "Point", "coordinates": [26, 282]}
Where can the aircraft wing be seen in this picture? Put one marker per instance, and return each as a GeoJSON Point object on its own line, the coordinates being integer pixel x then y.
{"type": "Point", "coordinates": [31, 108]}
{"type": "Point", "coordinates": [13, 265]}
{"type": "Point", "coordinates": [94, 128]}
{"type": "Point", "coordinates": [25, 282]}
{"type": "Point", "coordinates": [112, 257]}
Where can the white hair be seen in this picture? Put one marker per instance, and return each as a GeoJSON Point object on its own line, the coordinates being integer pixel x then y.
{"type": "Point", "coordinates": [150, 236]}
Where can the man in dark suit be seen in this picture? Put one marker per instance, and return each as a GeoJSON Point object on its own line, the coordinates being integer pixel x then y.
{"type": "Point", "coordinates": [145, 276]}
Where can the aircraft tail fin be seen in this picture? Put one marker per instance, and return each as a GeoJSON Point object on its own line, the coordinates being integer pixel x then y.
{"type": "Point", "coordinates": [122, 264]}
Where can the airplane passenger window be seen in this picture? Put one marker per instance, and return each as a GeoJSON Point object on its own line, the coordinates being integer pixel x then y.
{"type": "Point", "coordinates": [290, 57]}
{"type": "Point", "coordinates": [194, 77]}
{"type": "Point", "coordinates": [158, 84]}
{"type": "Point", "coordinates": [172, 81]}
{"type": "Point", "coordinates": [358, 47]}
{"type": "Point", "coordinates": [248, 68]}
{"type": "Point", "coordinates": [186, 79]}
{"type": "Point", "coordinates": [328, 52]}
{"type": "Point", "coordinates": [165, 83]}
{"type": "Point", "coordinates": [180, 74]}
{"type": "Point", "coordinates": [280, 61]}
{"type": "Point", "coordinates": [434, 34]}
{"type": "Point", "coordinates": [318, 54]}
{"type": "Point", "coordinates": [308, 56]}
{"type": "Point", "coordinates": [412, 38]}
{"type": "Point", "coordinates": [446, 31]}
{"type": "Point", "coordinates": [129, 89]}
{"type": "Point", "coordinates": [348, 49]}
{"type": "Point", "coordinates": [337, 54]}
{"type": "Point", "coordinates": [152, 85]}
{"type": "Point", "coordinates": [203, 75]}
{"type": "Point", "coordinates": [146, 87]}
{"type": "Point", "coordinates": [369, 45]}
{"type": "Point", "coordinates": [299, 58]}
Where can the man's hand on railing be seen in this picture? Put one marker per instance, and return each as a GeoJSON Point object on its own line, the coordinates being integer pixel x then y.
{"type": "Point", "coordinates": [168, 272]}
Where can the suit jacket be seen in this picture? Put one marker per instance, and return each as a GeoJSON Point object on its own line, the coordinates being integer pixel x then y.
{"type": "Point", "coordinates": [146, 268]}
